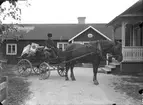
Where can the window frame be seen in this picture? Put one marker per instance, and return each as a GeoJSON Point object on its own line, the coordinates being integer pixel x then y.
{"type": "Point", "coordinates": [62, 43]}
{"type": "Point", "coordinates": [7, 50]}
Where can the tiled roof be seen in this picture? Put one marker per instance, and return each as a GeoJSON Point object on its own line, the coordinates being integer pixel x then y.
{"type": "Point", "coordinates": [64, 31]}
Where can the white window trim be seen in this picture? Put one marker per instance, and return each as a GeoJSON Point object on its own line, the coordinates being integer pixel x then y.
{"type": "Point", "coordinates": [58, 43]}
{"type": "Point", "coordinates": [81, 42]}
{"type": "Point", "coordinates": [85, 42]}
{"type": "Point", "coordinates": [11, 53]}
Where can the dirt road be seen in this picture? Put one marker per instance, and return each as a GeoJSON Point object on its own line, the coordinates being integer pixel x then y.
{"type": "Point", "coordinates": [57, 91]}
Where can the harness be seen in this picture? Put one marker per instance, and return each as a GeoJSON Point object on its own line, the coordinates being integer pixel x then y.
{"type": "Point", "coordinates": [90, 46]}
{"type": "Point", "coordinates": [97, 50]}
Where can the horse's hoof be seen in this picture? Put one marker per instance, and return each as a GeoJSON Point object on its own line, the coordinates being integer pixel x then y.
{"type": "Point", "coordinates": [66, 79]}
{"type": "Point", "coordinates": [73, 79]}
{"type": "Point", "coordinates": [96, 83]}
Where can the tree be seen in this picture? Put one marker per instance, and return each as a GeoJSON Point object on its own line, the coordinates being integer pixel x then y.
{"type": "Point", "coordinates": [11, 1]}
{"type": "Point", "coordinates": [9, 9]}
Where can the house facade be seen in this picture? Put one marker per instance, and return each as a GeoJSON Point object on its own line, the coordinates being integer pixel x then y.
{"type": "Point", "coordinates": [63, 34]}
{"type": "Point", "coordinates": [131, 24]}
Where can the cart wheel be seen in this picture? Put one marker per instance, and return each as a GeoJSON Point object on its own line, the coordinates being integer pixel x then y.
{"type": "Point", "coordinates": [36, 70]}
{"type": "Point", "coordinates": [61, 71]}
{"type": "Point", "coordinates": [24, 67]}
{"type": "Point", "coordinates": [44, 70]}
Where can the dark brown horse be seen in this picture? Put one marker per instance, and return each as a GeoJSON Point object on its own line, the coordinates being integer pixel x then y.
{"type": "Point", "coordinates": [90, 53]}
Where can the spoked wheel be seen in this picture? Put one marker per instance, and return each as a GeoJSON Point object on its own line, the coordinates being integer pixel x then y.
{"type": "Point", "coordinates": [61, 70]}
{"type": "Point", "coordinates": [24, 67]}
{"type": "Point", "coordinates": [36, 70]}
{"type": "Point", "coordinates": [44, 70]}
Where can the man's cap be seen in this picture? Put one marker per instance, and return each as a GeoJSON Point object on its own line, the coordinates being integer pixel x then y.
{"type": "Point", "coordinates": [49, 34]}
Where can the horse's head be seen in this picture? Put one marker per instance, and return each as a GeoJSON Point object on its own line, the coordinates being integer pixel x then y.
{"type": "Point", "coordinates": [106, 46]}
{"type": "Point", "coordinates": [117, 51]}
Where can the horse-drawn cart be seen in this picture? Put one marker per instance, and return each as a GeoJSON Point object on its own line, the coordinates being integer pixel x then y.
{"type": "Point", "coordinates": [40, 63]}
{"type": "Point", "coordinates": [37, 63]}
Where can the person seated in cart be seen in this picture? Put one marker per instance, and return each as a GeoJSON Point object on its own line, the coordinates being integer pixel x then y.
{"type": "Point", "coordinates": [50, 44]}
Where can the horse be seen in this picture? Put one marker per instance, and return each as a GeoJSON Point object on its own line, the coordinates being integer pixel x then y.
{"type": "Point", "coordinates": [92, 53]}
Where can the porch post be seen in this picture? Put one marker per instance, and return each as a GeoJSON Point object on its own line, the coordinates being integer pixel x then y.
{"type": "Point", "coordinates": [113, 33]}
{"type": "Point", "coordinates": [123, 33]}
{"type": "Point", "coordinates": [141, 26]}
{"type": "Point", "coordinates": [123, 29]}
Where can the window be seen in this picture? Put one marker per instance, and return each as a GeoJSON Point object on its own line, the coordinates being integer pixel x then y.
{"type": "Point", "coordinates": [90, 35]}
{"type": "Point", "coordinates": [65, 45]}
{"type": "Point", "coordinates": [129, 34]}
{"type": "Point", "coordinates": [62, 45]}
{"type": "Point", "coordinates": [133, 35]}
{"type": "Point", "coordinates": [137, 37]}
{"type": "Point", "coordinates": [11, 49]}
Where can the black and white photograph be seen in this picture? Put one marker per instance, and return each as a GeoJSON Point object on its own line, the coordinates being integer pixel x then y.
{"type": "Point", "coordinates": [71, 52]}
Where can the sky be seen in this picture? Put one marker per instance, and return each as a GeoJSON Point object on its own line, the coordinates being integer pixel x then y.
{"type": "Point", "coordinates": [67, 11]}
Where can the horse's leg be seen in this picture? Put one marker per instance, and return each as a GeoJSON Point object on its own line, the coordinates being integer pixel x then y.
{"type": "Point", "coordinates": [66, 74]}
{"type": "Point", "coordinates": [95, 64]}
{"type": "Point", "coordinates": [72, 73]}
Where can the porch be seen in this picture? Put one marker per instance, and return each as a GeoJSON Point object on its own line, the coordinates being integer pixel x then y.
{"type": "Point", "coordinates": [131, 24]}
{"type": "Point", "coordinates": [132, 54]}
{"type": "Point", "coordinates": [132, 42]}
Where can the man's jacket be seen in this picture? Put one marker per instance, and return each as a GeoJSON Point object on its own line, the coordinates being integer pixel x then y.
{"type": "Point", "coordinates": [50, 43]}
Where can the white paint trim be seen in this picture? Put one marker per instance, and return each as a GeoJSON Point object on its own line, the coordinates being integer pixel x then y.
{"type": "Point", "coordinates": [81, 42]}
{"type": "Point", "coordinates": [15, 53]}
{"type": "Point", "coordinates": [58, 43]}
{"type": "Point", "coordinates": [101, 33]}
{"type": "Point", "coordinates": [87, 29]}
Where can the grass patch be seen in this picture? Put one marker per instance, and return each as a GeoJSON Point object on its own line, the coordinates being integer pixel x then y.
{"type": "Point", "coordinates": [18, 90]}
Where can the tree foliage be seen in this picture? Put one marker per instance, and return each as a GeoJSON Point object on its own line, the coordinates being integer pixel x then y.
{"type": "Point", "coordinates": [9, 9]}
{"type": "Point", "coordinates": [11, 1]}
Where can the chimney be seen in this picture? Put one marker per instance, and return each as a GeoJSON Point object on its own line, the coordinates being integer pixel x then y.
{"type": "Point", "coordinates": [81, 20]}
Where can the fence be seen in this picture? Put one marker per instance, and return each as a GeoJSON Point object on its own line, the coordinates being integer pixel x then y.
{"type": "Point", "coordinates": [3, 90]}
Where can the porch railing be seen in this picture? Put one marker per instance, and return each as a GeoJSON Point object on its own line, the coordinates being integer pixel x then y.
{"type": "Point", "coordinates": [132, 53]}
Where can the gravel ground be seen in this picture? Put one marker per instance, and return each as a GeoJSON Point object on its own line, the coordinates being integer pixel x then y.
{"type": "Point", "coordinates": [55, 90]}
{"type": "Point", "coordinates": [122, 89]}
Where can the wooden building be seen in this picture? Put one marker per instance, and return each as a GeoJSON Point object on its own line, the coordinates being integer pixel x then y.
{"type": "Point", "coordinates": [131, 24]}
{"type": "Point", "coordinates": [63, 34]}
